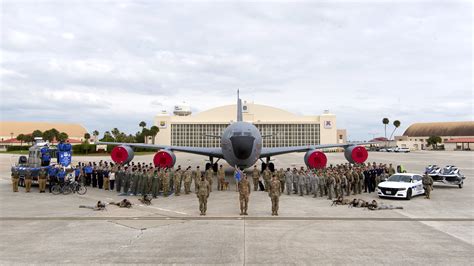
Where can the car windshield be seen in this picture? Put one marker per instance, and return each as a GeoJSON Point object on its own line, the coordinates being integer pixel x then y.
{"type": "Point", "coordinates": [400, 178]}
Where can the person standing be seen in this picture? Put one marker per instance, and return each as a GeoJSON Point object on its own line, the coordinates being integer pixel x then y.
{"type": "Point", "coordinates": [119, 178]}
{"type": "Point", "coordinates": [105, 173]}
{"type": "Point", "coordinates": [255, 177]}
{"type": "Point", "coordinates": [314, 183]}
{"type": "Point", "coordinates": [15, 178]}
{"type": "Point", "coordinates": [244, 194]}
{"type": "Point", "coordinates": [42, 180]}
{"type": "Point", "coordinates": [220, 178]}
{"type": "Point", "coordinates": [330, 182]}
{"type": "Point", "coordinates": [28, 180]}
{"type": "Point", "coordinates": [177, 182]}
{"type": "Point", "coordinates": [274, 193]}
{"type": "Point", "coordinates": [100, 176]}
{"type": "Point", "coordinates": [204, 189]}
{"type": "Point", "coordinates": [187, 180]}
{"type": "Point", "coordinates": [209, 176]}
{"type": "Point", "coordinates": [166, 182]}
{"type": "Point", "coordinates": [94, 175]}
{"type": "Point", "coordinates": [295, 181]}
{"type": "Point", "coordinates": [267, 178]}
{"type": "Point", "coordinates": [301, 182]}
{"type": "Point", "coordinates": [427, 185]}
{"type": "Point", "coordinates": [281, 178]}
{"type": "Point", "coordinates": [288, 180]}
{"type": "Point", "coordinates": [196, 175]}
{"type": "Point", "coordinates": [112, 176]}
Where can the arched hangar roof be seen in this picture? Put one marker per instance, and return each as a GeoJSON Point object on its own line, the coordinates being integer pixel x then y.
{"type": "Point", "coordinates": [465, 128]}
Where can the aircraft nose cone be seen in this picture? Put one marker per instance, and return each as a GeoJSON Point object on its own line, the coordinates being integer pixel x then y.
{"type": "Point", "coordinates": [242, 146]}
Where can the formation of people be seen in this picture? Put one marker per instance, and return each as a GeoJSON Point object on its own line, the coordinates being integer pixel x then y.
{"type": "Point", "coordinates": [139, 179]}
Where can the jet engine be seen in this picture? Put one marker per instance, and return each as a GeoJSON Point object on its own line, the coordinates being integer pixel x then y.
{"type": "Point", "coordinates": [164, 159]}
{"type": "Point", "coordinates": [122, 154]}
{"type": "Point", "coordinates": [315, 159]}
{"type": "Point", "coordinates": [356, 154]}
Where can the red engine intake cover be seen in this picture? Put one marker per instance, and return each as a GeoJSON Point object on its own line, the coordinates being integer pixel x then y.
{"type": "Point", "coordinates": [357, 154]}
{"type": "Point", "coordinates": [315, 159]}
{"type": "Point", "coordinates": [122, 154]}
{"type": "Point", "coordinates": [164, 159]}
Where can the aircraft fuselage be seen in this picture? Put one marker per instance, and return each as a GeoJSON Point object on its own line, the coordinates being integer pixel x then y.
{"type": "Point", "coordinates": [241, 144]}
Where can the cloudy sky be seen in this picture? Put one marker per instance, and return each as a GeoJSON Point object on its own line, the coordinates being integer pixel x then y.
{"type": "Point", "coordinates": [108, 64]}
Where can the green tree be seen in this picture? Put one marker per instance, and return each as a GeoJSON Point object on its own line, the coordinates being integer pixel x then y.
{"type": "Point", "coordinates": [396, 124]}
{"type": "Point", "coordinates": [142, 124]}
{"type": "Point", "coordinates": [29, 139]}
{"type": "Point", "coordinates": [385, 122]}
{"type": "Point", "coordinates": [87, 136]}
{"type": "Point", "coordinates": [21, 138]}
{"type": "Point", "coordinates": [433, 141]}
{"type": "Point", "coordinates": [37, 133]}
{"type": "Point", "coordinates": [95, 133]}
{"type": "Point", "coordinates": [107, 137]}
{"type": "Point", "coordinates": [145, 133]}
{"type": "Point", "coordinates": [63, 136]}
{"type": "Point", "coordinates": [153, 132]}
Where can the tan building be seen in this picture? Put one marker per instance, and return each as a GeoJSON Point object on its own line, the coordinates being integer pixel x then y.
{"type": "Point", "coordinates": [416, 135]}
{"type": "Point", "coordinates": [287, 129]}
{"type": "Point", "coordinates": [9, 130]}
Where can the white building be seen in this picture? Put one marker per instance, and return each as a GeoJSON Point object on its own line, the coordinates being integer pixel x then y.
{"type": "Point", "coordinates": [287, 129]}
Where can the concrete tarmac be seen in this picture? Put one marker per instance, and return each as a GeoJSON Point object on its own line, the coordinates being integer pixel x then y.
{"type": "Point", "coordinates": [47, 229]}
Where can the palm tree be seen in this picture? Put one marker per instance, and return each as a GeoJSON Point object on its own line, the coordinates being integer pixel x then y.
{"type": "Point", "coordinates": [95, 133]}
{"type": "Point", "coordinates": [142, 124]}
{"type": "Point", "coordinates": [21, 138]}
{"type": "Point", "coordinates": [385, 122]}
{"type": "Point", "coordinates": [115, 132]}
{"type": "Point", "coordinates": [87, 136]}
{"type": "Point", "coordinates": [396, 124]}
{"type": "Point", "coordinates": [153, 132]}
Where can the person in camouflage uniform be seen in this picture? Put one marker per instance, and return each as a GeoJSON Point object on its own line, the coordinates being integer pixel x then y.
{"type": "Point", "coordinates": [244, 194]}
{"type": "Point", "coordinates": [274, 193]}
{"type": "Point", "coordinates": [177, 182]}
{"type": "Point", "coordinates": [15, 178]}
{"type": "Point", "coordinates": [196, 175]}
{"type": "Point", "coordinates": [42, 180]}
{"type": "Point", "coordinates": [427, 185]}
{"type": "Point", "coordinates": [209, 176]}
{"type": "Point", "coordinates": [187, 180]}
{"type": "Point", "coordinates": [255, 177]}
{"type": "Point", "coordinates": [204, 189]}
{"type": "Point", "coordinates": [267, 178]}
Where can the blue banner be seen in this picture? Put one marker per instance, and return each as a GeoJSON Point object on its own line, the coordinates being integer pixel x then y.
{"type": "Point", "coordinates": [64, 158]}
{"type": "Point", "coordinates": [238, 175]}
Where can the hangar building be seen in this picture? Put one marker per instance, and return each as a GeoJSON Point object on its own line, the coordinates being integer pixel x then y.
{"type": "Point", "coordinates": [454, 135]}
{"type": "Point", "coordinates": [287, 129]}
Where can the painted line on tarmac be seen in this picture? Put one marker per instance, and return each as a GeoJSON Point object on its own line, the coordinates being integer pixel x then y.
{"type": "Point", "coordinates": [161, 209]}
{"type": "Point", "coordinates": [217, 218]}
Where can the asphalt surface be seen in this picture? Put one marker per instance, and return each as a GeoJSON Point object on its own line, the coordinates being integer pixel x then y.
{"type": "Point", "coordinates": [48, 229]}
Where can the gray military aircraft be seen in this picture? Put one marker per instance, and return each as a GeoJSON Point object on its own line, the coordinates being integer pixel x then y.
{"type": "Point", "coordinates": [241, 146]}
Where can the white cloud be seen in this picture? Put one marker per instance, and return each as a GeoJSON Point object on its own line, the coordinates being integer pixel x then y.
{"type": "Point", "coordinates": [119, 63]}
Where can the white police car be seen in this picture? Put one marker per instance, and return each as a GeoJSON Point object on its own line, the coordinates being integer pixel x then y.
{"type": "Point", "coordinates": [401, 185]}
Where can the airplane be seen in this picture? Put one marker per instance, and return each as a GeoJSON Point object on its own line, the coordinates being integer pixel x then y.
{"type": "Point", "coordinates": [241, 147]}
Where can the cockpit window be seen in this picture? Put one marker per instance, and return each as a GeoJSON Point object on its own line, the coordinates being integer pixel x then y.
{"type": "Point", "coordinates": [237, 133]}
{"type": "Point", "coordinates": [247, 134]}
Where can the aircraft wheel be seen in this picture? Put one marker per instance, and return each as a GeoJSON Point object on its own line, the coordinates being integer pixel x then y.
{"type": "Point", "coordinates": [215, 167]}
{"type": "Point", "coordinates": [264, 166]}
{"type": "Point", "coordinates": [208, 165]}
{"type": "Point", "coordinates": [461, 184]}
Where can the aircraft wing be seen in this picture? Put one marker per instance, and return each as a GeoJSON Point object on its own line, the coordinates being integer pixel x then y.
{"type": "Point", "coordinates": [214, 152]}
{"type": "Point", "coordinates": [268, 152]}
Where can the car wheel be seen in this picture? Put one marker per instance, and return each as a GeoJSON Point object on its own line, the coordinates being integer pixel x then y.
{"type": "Point", "coordinates": [408, 197]}
{"type": "Point", "coordinates": [460, 185]}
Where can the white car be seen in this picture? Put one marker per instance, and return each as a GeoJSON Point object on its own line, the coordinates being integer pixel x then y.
{"type": "Point", "coordinates": [402, 150]}
{"type": "Point", "coordinates": [401, 185]}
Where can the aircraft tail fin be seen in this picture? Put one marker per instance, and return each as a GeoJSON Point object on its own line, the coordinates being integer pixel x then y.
{"type": "Point", "coordinates": [239, 108]}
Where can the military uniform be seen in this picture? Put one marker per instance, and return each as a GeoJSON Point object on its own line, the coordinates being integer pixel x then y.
{"type": "Point", "coordinates": [255, 178]}
{"type": "Point", "coordinates": [106, 178]}
{"type": "Point", "coordinates": [177, 182]}
{"type": "Point", "coordinates": [301, 182]}
{"type": "Point", "coordinates": [289, 181]}
{"type": "Point", "coordinates": [220, 178]}
{"type": "Point", "coordinates": [295, 182]}
{"type": "Point", "coordinates": [127, 175]}
{"type": "Point", "coordinates": [28, 180]}
{"type": "Point", "coordinates": [196, 175]}
{"type": "Point", "coordinates": [119, 179]}
{"type": "Point", "coordinates": [330, 184]}
{"type": "Point", "coordinates": [427, 185]}
{"type": "Point", "coordinates": [314, 184]}
{"type": "Point", "coordinates": [42, 180]}
{"type": "Point", "coordinates": [154, 184]}
{"type": "Point", "coordinates": [187, 181]}
{"type": "Point", "coordinates": [15, 178]}
{"type": "Point", "coordinates": [204, 189]}
{"type": "Point", "coordinates": [274, 193]}
{"type": "Point", "coordinates": [244, 193]}
{"type": "Point", "coordinates": [307, 179]}
{"type": "Point", "coordinates": [281, 178]}
{"type": "Point", "coordinates": [322, 185]}
{"type": "Point", "coordinates": [135, 181]}
{"type": "Point", "coordinates": [267, 178]}
{"type": "Point", "coordinates": [209, 176]}
{"type": "Point", "coordinates": [166, 183]}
